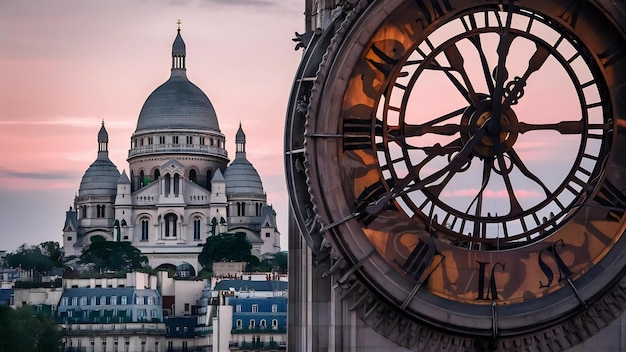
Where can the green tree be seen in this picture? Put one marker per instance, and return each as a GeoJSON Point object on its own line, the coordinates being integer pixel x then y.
{"type": "Point", "coordinates": [226, 247]}
{"type": "Point", "coordinates": [41, 258]}
{"type": "Point", "coordinates": [21, 330]}
{"type": "Point", "coordinates": [115, 256]}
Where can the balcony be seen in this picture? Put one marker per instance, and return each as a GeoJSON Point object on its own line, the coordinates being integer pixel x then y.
{"type": "Point", "coordinates": [176, 148]}
{"type": "Point", "coordinates": [257, 345]}
{"type": "Point", "coordinates": [112, 329]}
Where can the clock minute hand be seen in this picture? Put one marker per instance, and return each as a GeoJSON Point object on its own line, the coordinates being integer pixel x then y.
{"type": "Point", "coordinates": [455, 164]}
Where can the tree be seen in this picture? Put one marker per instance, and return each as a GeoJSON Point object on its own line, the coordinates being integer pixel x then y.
{"type": "Point", "coordinates": [41, 258]}
{"type": "Point", "coordinates": [21, 330]}
{"type": "Point", "coordinates": [226, 247]}
{"type": "Point", "coordinates": [115, 256]}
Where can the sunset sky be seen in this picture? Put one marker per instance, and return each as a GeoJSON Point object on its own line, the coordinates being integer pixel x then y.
{"type": "Point", "coordinates": [69, 64]}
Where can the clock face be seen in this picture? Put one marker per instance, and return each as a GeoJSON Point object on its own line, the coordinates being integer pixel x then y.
{"type": "Point", "coordinates": [464, 157]}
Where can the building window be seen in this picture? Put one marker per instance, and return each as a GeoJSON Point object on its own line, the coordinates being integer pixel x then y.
{"type": "Point", "coordinates": [170, 225]}
{"type": "Point", "coordinates": [139, 300]}
{"type": "Point", "coordinates": [186, 307]}
{"type": "Point", "coordinates": [196, 229]}
{"type": "Point", "coordinates": [153, 313]}
{"type": "Point", "coordinates": [274, 308]}
{"type": "Point", "coordinates": [150, 140]}
{"type": "Point", "coordinates": [238, 308]}
{"type": "Point", "coordinates": [189, 140]}
{"type": "Point", "coordinates": [193, 176]}
{"type": "Point", "coordinates": [161, 139]}
{"type": "Point", "coordinates": [238, 323]}
{"type": "Point", "coordinates": [167, 184]}
{"type": "Point", "coordinates": [208, 179]}
{"type": "Point", "coordinates": [174, 139]}
{"type": "Point", "coordinates": [144, 229]}
{"type": "Point", "coordinates": [262, 324]}
{"type": "Point", "coordinates": [267, 234]}
{"type": "Point", "coordinates": [123, 300]}
{"type": "Point", "coordinates": [113, 300]}
{"type": "Point", "coordinates": [83, 211]}
{"type": "Point", "coordinates": [252, 324]}
{"type": "Point", "coordinates": [100, 211]}
{"type": "Point", "coordinates": [64, 301]}
{"type": "Point", "coordinates": [93, 301]}
{"type": "Point", "coordinates": [176, 184]}
{"type": "Point", "coordinates": [274, 324]}
{"type": "Point", "coordinates": [74, 301]}
{"type": "Point", "coordinates": [103, 300]}
{"type": "Point", "coordinates": [83, 301]}
{"type": "Point", "coordinates": [201, 140]}
{"type": "Point", "coordinates": [255, 308]}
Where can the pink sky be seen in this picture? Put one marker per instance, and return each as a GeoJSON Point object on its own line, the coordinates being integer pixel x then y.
{"type": "Point", "coordinates": [68, 64]}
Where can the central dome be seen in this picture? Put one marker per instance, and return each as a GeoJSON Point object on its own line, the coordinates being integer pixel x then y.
{"type": "Point", "coordinates": [178, 103]}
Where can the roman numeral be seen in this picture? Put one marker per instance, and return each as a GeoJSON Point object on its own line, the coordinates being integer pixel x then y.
{"type": "Point", "coordinates": [564, 271]}
{"type": "Point", "coordinates": [612, 54]}
{"type": "Point", "coordinates": [386, 63]}
{"type": "Point", "coordinates": [490, 291]}
{"type": "Point", "coordinates": [613, 198]}
{"type": "Point", "coordinates": [371, 194]}
{"type": "Point", "coordinates": [421, 259]}
{"type": "Point", "coordinates": [571, 13]}
{"type": "Point", "coordinates": [357, 134]}
{"type": "Point", "coordinates": [434, 9]}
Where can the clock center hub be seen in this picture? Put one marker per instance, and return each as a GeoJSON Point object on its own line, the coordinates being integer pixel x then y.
{"type": "Point", "coordinates": [502, 129]}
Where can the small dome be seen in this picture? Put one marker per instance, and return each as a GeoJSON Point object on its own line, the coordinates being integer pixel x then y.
{"type": "Point", "coordinates": [100, 179]}
{"type": "Point", "coordinates": [242, 177]}
{"type": "Point", "coordinates": [178, 48]}
{"type": "Point", "coordinates": [103, 135]}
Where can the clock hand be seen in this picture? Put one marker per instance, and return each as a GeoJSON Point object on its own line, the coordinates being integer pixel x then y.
{"type": "Point", "coordinates": [455, 164]}
{"type": "Point", "coordinates": [534, 64]}
{"type": "Point", "coordinates": [563, 127]}
{"type": "Point", "coordinates": [501, 74]}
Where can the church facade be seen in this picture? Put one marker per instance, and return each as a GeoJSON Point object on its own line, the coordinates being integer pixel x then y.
{"type": "Point", "coordinates": [180, 188]}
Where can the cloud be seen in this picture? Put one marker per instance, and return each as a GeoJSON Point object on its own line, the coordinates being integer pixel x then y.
{"type": "Point", "coordinates": [235, 4]}
{"type": "Point", "coordinates": [77, 122]}
{"type": "Point", "coordinates": [495, 194]}
{"type": "Point", "coordinates": [48, 175]}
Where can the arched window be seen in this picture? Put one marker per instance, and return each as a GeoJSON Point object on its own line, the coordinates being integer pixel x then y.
{"type": "Point", "coordinates": [196, 228]}
{"type": "Point", "coordinates": [142, 179]}
{"type": "Point", "coordinates": [157, 174]}
{"type": "Point", "coordinates": [144, 229]}
{"type": "Point", "coordinates": [83, 211]}
{"type": "Point", "coordinates": [243, 208]}
{"type": "Point", "coordinates": [170, 225]}
{"type": "Point", "coordinates": [100, 211]}
{"type": "Point", "coordinates": [274, 323]}
{"type": "Point", "coordinates": [167, 184]}
{"type": "Point", "coordinates": [176, 184]}
{"type": "Point", "coordinates": [192, 176]}
{"type": "Point", "coordinates": [262, 324]}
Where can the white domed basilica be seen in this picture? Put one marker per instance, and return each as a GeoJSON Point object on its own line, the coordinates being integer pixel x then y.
{"type": "Point", "coordinates": [179, 189]}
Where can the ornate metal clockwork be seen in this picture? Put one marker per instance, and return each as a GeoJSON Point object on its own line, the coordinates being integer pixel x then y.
{"type": "Point", "coordinates": [463, 160]}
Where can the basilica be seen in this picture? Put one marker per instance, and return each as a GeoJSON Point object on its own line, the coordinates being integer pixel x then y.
{"type": "Point", "coordinates": [179, 189]}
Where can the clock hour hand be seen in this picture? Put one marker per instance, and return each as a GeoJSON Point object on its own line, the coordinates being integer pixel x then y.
{"type": "Point", "coordinates": [402, 187]}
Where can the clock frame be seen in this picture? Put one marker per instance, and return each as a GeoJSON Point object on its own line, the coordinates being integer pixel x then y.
{"type": "Point", "coordinates": [361, 191]}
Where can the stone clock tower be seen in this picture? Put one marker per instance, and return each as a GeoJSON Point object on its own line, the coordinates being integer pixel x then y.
{"type": "Point", "coordinates": [456, 176]}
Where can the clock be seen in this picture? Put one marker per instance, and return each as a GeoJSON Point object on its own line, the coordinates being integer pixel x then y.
{"type": "Point", "coordinates": [463, 169]}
